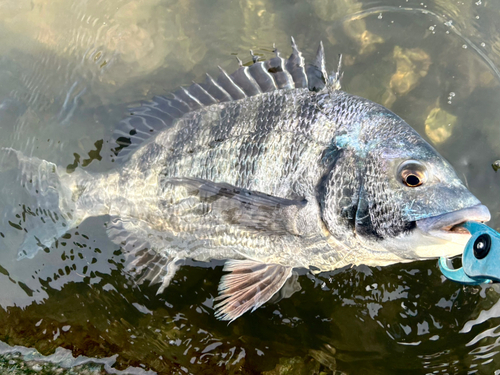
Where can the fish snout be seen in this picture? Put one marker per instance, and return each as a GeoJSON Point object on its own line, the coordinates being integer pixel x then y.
{"type": "Point", "coordinates": [452, 221]}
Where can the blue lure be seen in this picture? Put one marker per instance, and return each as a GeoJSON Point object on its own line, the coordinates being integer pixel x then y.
{"type": "Point", "coordinates": [480, 260]}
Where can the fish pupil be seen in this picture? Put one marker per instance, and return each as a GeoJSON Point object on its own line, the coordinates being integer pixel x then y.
{"type": "Point", "coordinates": [412, 180]}
{"type": "Point", "coordinates": [412, 173]}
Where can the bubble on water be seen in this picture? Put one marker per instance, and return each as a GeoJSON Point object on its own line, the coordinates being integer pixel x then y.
{"type": "Point", "coordinates": [380, 16]}
{"type": "Point", "coordinates": [451, 95]}
{"type": "Point", "coordinates": [477, 17]}
{"type": "Point", "coordinates": [431, 28]}
{"type": "Point", "coordinates": [483, 44]}
{"type": "Point", "coordinates": [464, 46]}
{"type": "Point", "coordinates": [447, 31]}
{"type": "Point", "coordinates": [478, 2]}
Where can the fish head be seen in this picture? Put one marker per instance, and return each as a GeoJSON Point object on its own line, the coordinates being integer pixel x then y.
{"type": "Point", "coordinates": [411, 202]}
{"type": "Point", "coordinates": [408, 202]}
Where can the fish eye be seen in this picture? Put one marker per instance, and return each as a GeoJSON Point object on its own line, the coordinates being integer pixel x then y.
{"type": "Point", "coordinates": [412, 173]}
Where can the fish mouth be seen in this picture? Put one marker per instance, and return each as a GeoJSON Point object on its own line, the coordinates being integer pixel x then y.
{"type": "Point", "coordinates": [449, 226]}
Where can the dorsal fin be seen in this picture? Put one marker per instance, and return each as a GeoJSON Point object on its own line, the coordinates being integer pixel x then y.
{"type": "Point", "coordinates": [317, 72]}
{"type": "Point", "coordinates": [295, 66]}
{"type": "Point", "coordinates": [276, 73]}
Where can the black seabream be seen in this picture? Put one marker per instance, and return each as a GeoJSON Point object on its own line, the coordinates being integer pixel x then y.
{"type": "Point", "coordinates": [271, 168]}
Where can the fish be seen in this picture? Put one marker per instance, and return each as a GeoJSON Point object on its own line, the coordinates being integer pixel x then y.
{"type": "Point", "coordinates": [272, 168]}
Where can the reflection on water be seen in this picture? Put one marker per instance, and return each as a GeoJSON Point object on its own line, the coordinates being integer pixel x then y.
{"type": "Point", "coordinates": [70, 69]}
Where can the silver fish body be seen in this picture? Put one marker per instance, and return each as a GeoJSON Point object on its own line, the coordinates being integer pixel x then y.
{"type": "Point", "coordinates": [272, 177]}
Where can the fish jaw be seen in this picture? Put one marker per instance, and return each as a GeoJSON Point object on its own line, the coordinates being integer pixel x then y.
{"type": "Point", "coordinates": [443, 235]}
{"type": "Point", "coordinates": [447, 226]}
{"type": "Point", "coordinates": [433, 237]}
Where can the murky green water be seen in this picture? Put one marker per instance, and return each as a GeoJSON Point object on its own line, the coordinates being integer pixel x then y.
{"type": "Point", "coordinates": [69, 70]}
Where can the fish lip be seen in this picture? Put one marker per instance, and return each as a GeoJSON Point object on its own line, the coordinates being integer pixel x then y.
{"type": "Point", "coordinates": [451, 221]}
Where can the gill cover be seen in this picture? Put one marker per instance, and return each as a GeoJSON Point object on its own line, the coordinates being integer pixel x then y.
{"type": "Point", "coordinates": [338, 192]}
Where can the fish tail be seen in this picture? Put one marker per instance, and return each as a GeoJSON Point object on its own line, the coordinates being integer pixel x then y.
{"type": "Point", "coordinates": [54, 205]}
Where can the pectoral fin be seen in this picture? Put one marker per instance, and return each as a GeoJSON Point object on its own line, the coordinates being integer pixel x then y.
{"type": "Point", "coordinates": [249, 285]}
{"type": "Point", "coordinates": [222, 203]}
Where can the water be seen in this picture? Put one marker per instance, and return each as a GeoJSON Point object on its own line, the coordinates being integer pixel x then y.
{"type": "Point", "coordinates": [68, 72]}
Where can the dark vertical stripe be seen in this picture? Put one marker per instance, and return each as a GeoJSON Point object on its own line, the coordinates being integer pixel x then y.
{"type": "Point", "coordinates": [254, 146]}
{"type": "Point", "coordinates": [306, 114]}
{"type": "Point", "coordinates": [228, 118]}
{"type": "Point", "coordinates": [188, 134]}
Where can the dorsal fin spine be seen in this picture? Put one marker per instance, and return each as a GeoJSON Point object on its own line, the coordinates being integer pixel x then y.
{"type": "Point", "coordinates": [212, 82]}
{"type": "Point", "coordinates": [187, 98]}
{"type": "Point", "coordinates": [259, 68]}
{"type": "Point", "coordinates": [275, 50]}
{"type": "Point", "coordinates": [181, 101]}
{"type": "Point", "coordinates": [227, 78]}
{"type": "Point", "coordinates": [245, 82]}
{"type": "Point", "coordinates": [157, 108]}
{"type": "Point", "coordinates": [320, 60]}
{"type": "Point", "coordinates": [280, 75]}
{"type": "Point", "coordinates": [199, 87]}
{"type": "Point", "coordinates": [170, 104]}
{"type": "Point", "coordinates": [296, 66]}
{"type": "Point", "coordinates": [192, 97]}
{"type": "Point", "coordinates": [287, 74]}
{"type": "Point", "coordinates": [147, 110]}
{"type": "Point", "coordinates": [255, 58]}
{"type": "Point", "coordinates": [251, 79]}
{"type": "Point", "coordinates": [180, 104]}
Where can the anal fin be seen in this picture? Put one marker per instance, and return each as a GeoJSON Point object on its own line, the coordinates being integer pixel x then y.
{"type": "Point", "coordinates": [146, 258]}
{"type": "Point", "coordinates": [249, 285]}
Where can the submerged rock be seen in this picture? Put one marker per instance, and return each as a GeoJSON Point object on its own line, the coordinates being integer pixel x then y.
{"type": "Point", "coordinates": [439, 125]}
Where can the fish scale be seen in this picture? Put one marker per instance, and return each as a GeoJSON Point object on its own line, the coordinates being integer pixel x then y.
{"type": "Point", "coordinates": [271, 168]}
